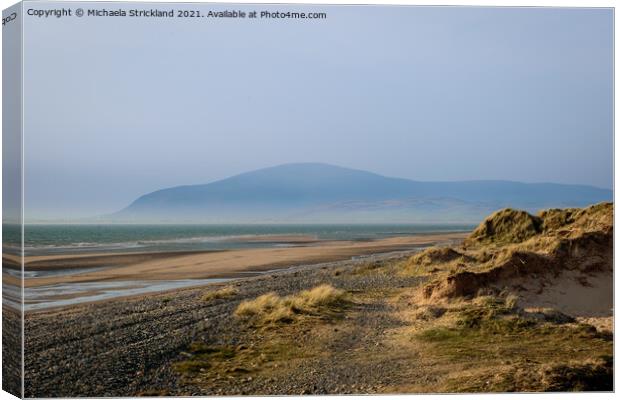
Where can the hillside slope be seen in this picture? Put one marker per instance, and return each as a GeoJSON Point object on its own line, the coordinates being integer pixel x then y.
{"type": "Point", "coordinates": [313, 192]}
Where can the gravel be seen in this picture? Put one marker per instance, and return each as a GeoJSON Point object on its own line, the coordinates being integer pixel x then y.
{"type": "Point", "coordinates": [125, 347]}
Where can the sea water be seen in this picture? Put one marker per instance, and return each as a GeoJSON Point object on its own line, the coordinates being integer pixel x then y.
{"type": "Point", "coordinates": [63, 239]}
{"type": "Point", "coordinates": [71, 239]}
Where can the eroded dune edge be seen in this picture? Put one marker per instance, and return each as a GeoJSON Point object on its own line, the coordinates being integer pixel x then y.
{"type": "Point", "coordinates": [523, 304]}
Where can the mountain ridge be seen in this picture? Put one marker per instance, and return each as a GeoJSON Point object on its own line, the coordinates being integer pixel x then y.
{"type": "Point", "coordinates": [279, 193]}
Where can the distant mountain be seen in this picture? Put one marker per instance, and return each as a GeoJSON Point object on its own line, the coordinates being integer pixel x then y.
{"type": "Point", "coordinates": [321, 193]}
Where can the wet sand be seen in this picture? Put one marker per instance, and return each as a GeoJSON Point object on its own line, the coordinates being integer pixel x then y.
{"type": "Point", "coordinates": [211, 264]}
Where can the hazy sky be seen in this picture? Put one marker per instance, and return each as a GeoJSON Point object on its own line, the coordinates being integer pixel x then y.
{"type": "Point", "coordinates": [117, 107]}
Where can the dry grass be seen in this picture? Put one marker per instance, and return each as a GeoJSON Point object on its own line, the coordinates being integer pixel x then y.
{"type": "Point", "coordinates": [599, 217]}
{"type": "Point", "coordinates": [435, 255]}
{"type": "Point", "coordinates": [557, 218]}
{"type": "Point", "coordinates": [223, 293]}
{"type": "Point", "coordinates": [433, 260]}
{"type": "Point", "coordinates": [514, 226]}
{"type": "Point", "coordinates": [505, 226]}
{"type": "Point", "coordinates": [271, 308]}
{"type": "Point", "coordinates": [482, 342]}
{"type": "Point", "coordinates": [320, 296]}
{"type": "Point", "coordinates": [512, 246]}
{"type": "Point", "coordinates": [512, 301]}
{"type": "Point", "coordinates": [267, 355]}
{"type": "Point", "coordinates": [515, 350]}
{"type": "Point", "coordinates": [510, 226]}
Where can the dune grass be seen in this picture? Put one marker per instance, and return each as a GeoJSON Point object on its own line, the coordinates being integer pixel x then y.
{"type": "Point", "coordinates": [515, 350]}
{"type": "Point", "coordinates": [484, 341]}
{"type": "Point", "coordinates": [510, 226]}
{"type": "Point", "coordinates": [271, 308]}
{"type": "Point", "coordinates": [223, 293]}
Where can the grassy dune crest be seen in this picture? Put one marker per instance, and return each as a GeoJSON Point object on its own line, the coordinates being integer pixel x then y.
{"type": "Point", "coordinates": [524, 304]}
{"type": "Point", "coordinates": [513, 307]}
{"type": "Point", "coordinates": [511, 247]}
{"type": "Point", "coordinates": [505, 226]}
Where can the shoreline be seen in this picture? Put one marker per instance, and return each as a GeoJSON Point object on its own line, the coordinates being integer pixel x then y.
{"type": "Point", "coordinates": [143, 336]}
{"type": "Point", "coordinates": [384, 323]}
{"type": "Point", "coordinates": [64, 281]}
{"type": "Point", "coordinates": [212, 264]}
{"type": "Point", "coordinates": [237, 280]}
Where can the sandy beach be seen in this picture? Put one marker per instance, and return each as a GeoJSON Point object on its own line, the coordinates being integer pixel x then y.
{"type": "Point", "coordinates": [473, 315]}
{"type": "Point", "coordinates": [61, 280]}
{"type": "Point", "coordinates": [214, 264]}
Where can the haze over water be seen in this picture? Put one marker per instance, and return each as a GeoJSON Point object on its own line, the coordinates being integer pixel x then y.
{"type": "Point", "coordinates": [60, 239]}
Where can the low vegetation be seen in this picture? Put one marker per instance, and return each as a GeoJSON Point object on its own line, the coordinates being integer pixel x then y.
{"type": "Point", "coordinates": [510, 226]}
{"type": "Point", "coordinates": [277, 346]}
{"type": "Point", "coordinates": [515, 350]}
{"type": "Point", "coordinates": [512, 245]}
{"type": "Point", "coordinates": [447, 319]}
{"type": "Point", "coordinates": [221, 362]}
{"type": "Point", "coordinates": [204, 357]}
{"type": "Point", "coordinates": [271, 308]}
{"type": "Point", "coordinates": [223, 293]}
{"type": "Point", "coordinates": [505, 226]}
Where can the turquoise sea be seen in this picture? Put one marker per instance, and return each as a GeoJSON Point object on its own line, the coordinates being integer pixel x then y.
{"type": "Point", "coordinates": [58, 239]}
